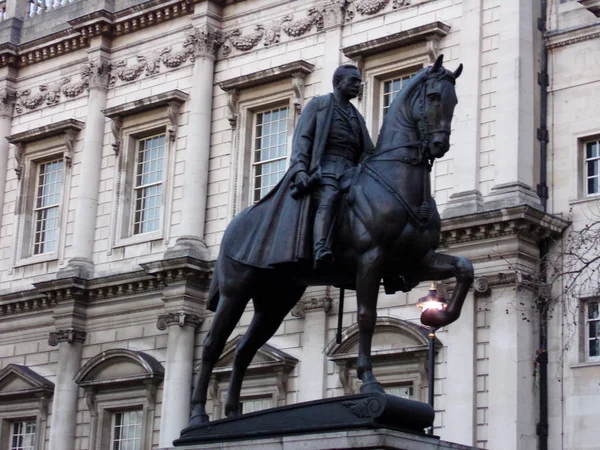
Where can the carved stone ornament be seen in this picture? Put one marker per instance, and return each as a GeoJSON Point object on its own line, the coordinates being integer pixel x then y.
{"type": "Point", "coordinates": [70, 136]}
{"type": "Point", "coordinates": [272, 34]}
{"type": "Point", "coordinates": [125, 72]}
{"type": "Point", "coordinates": [48, 94]}
{"type": "Point", "coordinates": [232, 99]}
{"type": "Point", "coordinates": [243, 42]}
{"type": "Point", "coordinates": [400, 3]}
{"type": "Point", "coordinates": [313, 304]}
{"type": "Point", "coordinates": [173, 59]}
{"type": "Point", "coordinates": [298, 88]}
{"type": "Point", "coordinates": [299, 27]}
{"type": "Point", "coordinates": [172, 113]}
{"type": "Point", "coordinates": [115, 127]}
{"type": "Point", "coordinates": [98, 72]}
{"type": "Point", "coordinates": [207, 40]}
{"type": "Point", "coordinates": [369, 7]}
{"type": "Point", "coordinates": [7, 102]}
{"type": "Point", "coordinates": [181, 318]}
{"type": "Point", "coordinates": [68, 336]}
{"type": "Point", "coordinates": [19, 154]}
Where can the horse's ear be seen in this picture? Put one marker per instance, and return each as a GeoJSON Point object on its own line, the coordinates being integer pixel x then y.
{"type": "Point", "coordinates": [438, 63]}
{"type": "Point", "coordinates": [458, 71]}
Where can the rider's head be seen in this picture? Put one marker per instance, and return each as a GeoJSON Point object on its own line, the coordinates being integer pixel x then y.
{"type": "Point", "coordinates": [346, 80]}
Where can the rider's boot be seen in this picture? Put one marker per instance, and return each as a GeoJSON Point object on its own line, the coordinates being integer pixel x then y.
{"type": "Point", "coordinates": [323, 255]}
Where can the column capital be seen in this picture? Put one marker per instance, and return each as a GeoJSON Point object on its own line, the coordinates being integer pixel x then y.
{"type": "Point", "coordinates": [97, 72]}
{"type": "Point", "coordinates": [69, 335]}
{"type": "Point", "coordinates": [7, 102]}
{"type": "Point", "coordinates": [206, 40]}
{"type": "Point", "coordinates": [178, 318]}
{"type": "Point", "coordinates": [303, 306]}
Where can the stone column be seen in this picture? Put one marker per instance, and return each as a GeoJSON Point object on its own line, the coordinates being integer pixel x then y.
{"type": "Point", "coordinates": [313, 363]}
{"type": "Point", "coordinates": [7, 102]}
{"type": "Point", "coordinates": [515, 110]}
{"type": "Point", "coordinates": [64, 402]}
{"type": "Point", "coordinates": [179, 368]}
{"type": "Point", "coordinates": [207, 39]}
{"type": "Point", "coordinates": [81, 263]}
{"type": "Point", "coordinates": [465, 139]}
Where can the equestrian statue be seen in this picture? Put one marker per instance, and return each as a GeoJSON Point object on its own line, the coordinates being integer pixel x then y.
{"type": "Point", "coordinates": [345, 214]}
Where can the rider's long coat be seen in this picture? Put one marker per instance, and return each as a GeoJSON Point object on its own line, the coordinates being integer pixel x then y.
{"type": "Point", "coordinates": [278, 229]}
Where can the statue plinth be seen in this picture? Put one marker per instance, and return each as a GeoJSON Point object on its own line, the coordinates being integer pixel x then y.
{"type": "Point", "coordinates": [363, 411]}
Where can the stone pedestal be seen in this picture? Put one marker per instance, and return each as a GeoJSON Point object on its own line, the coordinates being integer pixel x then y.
{"type": "Point", "coordinates": [355, 439]}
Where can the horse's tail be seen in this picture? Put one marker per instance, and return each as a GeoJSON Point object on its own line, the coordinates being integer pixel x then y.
{"type": "Point", "coordinates": [213, 293]}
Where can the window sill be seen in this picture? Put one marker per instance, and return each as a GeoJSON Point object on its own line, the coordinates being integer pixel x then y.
{"type": "Point", "coordinates": [591, 363]}
{"type": "Point", "coordinates": [139, 239]}
{"type": "Point", "coordinates": [43, 258]}
{"type": "Point", "coordinates": [591, 198]}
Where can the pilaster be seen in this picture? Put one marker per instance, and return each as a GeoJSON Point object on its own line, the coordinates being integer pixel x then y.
{"type": "Point", "coordinates": [97, 72]}
{"type": "Point", "coordinates": [333, 17]}
{"type": "Point", "coordinates": [177, 387]}
{"type": "Point", "coordinates": [313, 312]}
{"type": "Point", "coordinates": [64, 403]}
{"type": "Point", "coordinates": [516, 143]}
{"type": "Point", "coordinates": [465, 139]}
{"type": "Point", "coordinates": [7, 103]}
{"type": "Point", "coordinates": [206, 39]}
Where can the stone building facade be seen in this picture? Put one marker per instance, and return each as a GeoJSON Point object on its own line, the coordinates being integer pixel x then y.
{"type": "Point", "coordinates": [132, 129]}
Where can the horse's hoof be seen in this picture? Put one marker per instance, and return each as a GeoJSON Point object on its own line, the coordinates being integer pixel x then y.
{"type": "Point", "coordinates": [371, 388]}
{"type": "Point", "coordinates": [198, 419]}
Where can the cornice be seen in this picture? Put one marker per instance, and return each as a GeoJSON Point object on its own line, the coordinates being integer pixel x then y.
{"type": "Point", "coordinates": [562, 38]}
{"type": "Point", "coordinates": [46, 131]}
{"type": "Point", "coordinates": [522, 221]}
{"type": "Point", "coordinates": [267, 76]}
{"type": "Point", "coordinates": [424, 33]}
{"type": "Point", "coordinates": [591, 5]}
{"type": "Point", "coordinates": [91, 25]}
{"type": "Point", "coordinates": [145, 104]}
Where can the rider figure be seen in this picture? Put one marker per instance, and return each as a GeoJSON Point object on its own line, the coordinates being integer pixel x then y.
{"type": "Point", "coordinates": [345, 145]}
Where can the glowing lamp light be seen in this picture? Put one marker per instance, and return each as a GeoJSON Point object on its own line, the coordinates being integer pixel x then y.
{"type": "Point", "coordinates": [432, 305]}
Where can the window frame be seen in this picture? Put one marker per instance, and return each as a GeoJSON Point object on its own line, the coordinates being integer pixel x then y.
{"type": "Point", "coordinates": [113, 424]}
{"type": "Point", "coordinates": [36, 209]}
{"type": "Point", "coordinates": [584, 164]}
{"type": "Point", "coordinates": [252, 150]}
{"type": "Point", "coordinates": [38, 153]}
{"type": "Point", "coordinates": [242, 179]}
{"type": "Point", "coordinates": [135, 129]}
{"type": "Point", "coordinates": [11, 424]}
{"type": "Point", "coordinates": [584, 332]}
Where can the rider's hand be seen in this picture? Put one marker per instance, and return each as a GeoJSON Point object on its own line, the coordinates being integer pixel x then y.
{"type": "Point", "coordinates": [301, 181]}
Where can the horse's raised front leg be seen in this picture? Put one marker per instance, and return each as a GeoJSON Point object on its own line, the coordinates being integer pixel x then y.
{"type": "Point", "coordinates": [368, 277]}
{"type": "Point", "coordinates": [437, 266]}
{"type": "Point", "coordinates": [270, 310]}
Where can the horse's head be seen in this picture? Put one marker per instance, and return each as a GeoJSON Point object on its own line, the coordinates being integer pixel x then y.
{"type": "Point", "coordinates": [434, 108]}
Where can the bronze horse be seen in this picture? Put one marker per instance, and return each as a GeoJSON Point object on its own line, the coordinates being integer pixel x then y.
{"type": "Point", "coordinates": [389, 230]}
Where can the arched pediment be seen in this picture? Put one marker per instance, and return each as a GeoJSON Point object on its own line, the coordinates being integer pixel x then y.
{"type": "Point", "coordinates": [392, 336]}
{"type": "Point", "coordinates": [267, 358]}
{"type": "Point", "coordinates": [19, 381]}
{"type": "Point", "coordinates": [119, 366]}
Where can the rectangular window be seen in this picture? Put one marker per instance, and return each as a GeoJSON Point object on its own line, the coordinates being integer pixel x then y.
{"type": "Point", "coordinates": [256, 404]}
{"type": "Point", "coordinates": [592, 163]}
{"type": "Point", "coordinates": [22, 435]}
{"type": "Point", "coordinates": [403, 391]}
{"type": "Point", "coordinates": [148, 190]}
{"type": "Point", "coordinates": [47, 202]}
{"type": "Point", "coordinates": [593, 330]}
{"type": "Point", "coordinates": [127, 430]}
{"type": "Point", "coordinates": [270, 150]}
{"type": "Point", "coordinates": [390, 90]}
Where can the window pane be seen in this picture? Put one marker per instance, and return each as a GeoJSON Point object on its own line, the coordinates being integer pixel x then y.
{"type": "Point", "coordinates": [127, 430]}
{"type": "Point", "coordinates": [270, 150]}
{"type": "Point", "coordinates": [591, 150]}
{"type": "Point", "coordinates": [405, 391]}
{"type": "Point", "coordinates": [592, 186]}
{"type": "Point", "coordinates": [148, 184]}
{"type": "Point", "coordinates": [391, 89]}
{"type": "Point", "coordinates": [23, 435]}
{"type": "Point", "coordinates": [257, 404]}
{"type": "Point", "coordinates": [594, 348]}
{"type": "Point", "coordinates": [594, 311]}
{"type": "Point", "coordinates": [48, 195]}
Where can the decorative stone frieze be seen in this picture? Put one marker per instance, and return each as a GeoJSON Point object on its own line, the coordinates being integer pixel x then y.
{"type": "Point", "coordinates": [125, 72]}
{"type": "Point", "coordinates": [562, 38]}
{"type": "Point", "coordinates": [243, 42]}
{"type": "Point", "coordinates": [295, 28]}
{"type": "Point", "coordinates": [481, 286]}
{"type": "Point", "coordinates": [180, 318]}
{"type": "Point", "coordinates": [69, 336]}
{"type": "Point", "coordinates": [313, 304]}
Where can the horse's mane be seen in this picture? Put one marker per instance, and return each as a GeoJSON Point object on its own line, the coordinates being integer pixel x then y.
{"type": "Point", "coordinates": [399, 112]}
